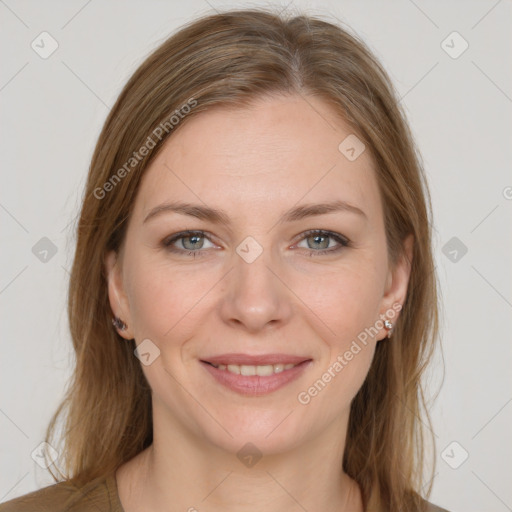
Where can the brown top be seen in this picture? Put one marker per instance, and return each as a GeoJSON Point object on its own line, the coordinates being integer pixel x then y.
{"type": "Point", "coordinates": [100, 495]}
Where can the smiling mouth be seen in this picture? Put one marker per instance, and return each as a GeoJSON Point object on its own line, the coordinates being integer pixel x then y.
{"type": "Point", "coordinates": [256, 379]}
{"type": "Point", "coordinates": [260, 370]}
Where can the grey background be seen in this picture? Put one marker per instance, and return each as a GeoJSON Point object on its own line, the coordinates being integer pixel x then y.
{"type": "Point", "coordinates": [460, 112]}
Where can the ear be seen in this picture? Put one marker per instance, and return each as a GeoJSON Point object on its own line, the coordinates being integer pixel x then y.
{"type": "Point", "coordinates": [397, 283]}
{"type": "Point", "coordinates": [116, 293]}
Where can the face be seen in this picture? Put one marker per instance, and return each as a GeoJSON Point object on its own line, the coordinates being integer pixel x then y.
{"type": "Point", "coordinates": [269, 283]}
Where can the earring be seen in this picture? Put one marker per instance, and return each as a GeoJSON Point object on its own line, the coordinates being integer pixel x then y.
{"type": "Point", "coordinates": [388, 325]}
{"type": "Point", "coordinates": [118, 323]}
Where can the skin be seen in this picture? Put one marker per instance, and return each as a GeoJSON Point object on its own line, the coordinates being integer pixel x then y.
{"type": "Point", "coordinates": [255, 164]}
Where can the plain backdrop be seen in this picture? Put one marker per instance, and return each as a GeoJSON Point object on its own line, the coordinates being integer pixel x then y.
{"type": "Point", "coordinates": [459, 104]}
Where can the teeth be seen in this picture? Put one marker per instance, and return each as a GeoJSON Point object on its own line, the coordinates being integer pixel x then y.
{"type": "Point", "coordinates": [262, 371]}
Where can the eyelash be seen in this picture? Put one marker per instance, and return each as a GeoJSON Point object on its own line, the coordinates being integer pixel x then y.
{"type": "Point", "coordinates": [343, 242]}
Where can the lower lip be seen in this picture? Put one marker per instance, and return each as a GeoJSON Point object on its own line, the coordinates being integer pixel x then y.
{"type": "Point", "coordinates": [254, 384]}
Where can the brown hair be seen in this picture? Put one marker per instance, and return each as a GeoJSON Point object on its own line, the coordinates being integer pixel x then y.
{"type": "Point", "coordinates": [232, 58]}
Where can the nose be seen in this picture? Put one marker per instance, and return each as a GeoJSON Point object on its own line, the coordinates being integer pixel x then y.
{"type": "Point", "coordinates": [256, 297]}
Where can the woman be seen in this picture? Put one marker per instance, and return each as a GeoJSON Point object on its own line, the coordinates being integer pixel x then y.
{"type": "Point", "coordinates": [253, 297]}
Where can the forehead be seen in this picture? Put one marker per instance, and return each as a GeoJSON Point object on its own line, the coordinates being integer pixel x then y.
{"type": "Point", "coordinates": [278, 152]}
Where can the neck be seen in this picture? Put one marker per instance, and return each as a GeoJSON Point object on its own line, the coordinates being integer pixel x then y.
{"type": "Point", "coordinates": [187, 473]}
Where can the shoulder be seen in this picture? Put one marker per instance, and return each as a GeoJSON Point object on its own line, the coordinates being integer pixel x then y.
{"type": "Point", "coordinates": [429, 508]}
{"type": "Point", "coordinates": [98, 495]}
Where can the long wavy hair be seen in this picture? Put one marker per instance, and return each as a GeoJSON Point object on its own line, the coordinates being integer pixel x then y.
{"type": "Point", "coordinates": [232, 58]}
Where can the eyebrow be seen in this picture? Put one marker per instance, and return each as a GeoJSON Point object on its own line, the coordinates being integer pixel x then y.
{"type": "Point", "coordinates": [220, 217]}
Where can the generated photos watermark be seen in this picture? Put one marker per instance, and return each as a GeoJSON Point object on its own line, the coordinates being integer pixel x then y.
{"type": "Point", "coordinates": [160, 132]}
{"type": "Point", "coordinates": [305, 397]}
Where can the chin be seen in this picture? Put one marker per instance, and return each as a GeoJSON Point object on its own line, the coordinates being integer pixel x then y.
{"type": "Point", "coordinates": [269, 432]}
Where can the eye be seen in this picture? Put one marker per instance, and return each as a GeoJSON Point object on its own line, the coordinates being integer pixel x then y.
{"type": "Point", "coordinates": [321, 239]}
{"type": "Point", "coordinates": [190, 242]}
{"type": "Point", "coordinates": [318, 242]}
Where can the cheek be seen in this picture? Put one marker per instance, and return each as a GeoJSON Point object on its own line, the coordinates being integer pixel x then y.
{"type": "Point", "coordinates": [156, 296]}
{"type": "Point", "coordinates": [347, 301]}
{"type": "Point", "coordinates": [349, 305]}
{"type": "Point", "coordinates": [166, 300]}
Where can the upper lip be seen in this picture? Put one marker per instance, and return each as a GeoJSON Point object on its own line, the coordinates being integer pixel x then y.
{"type": "Point", "coordinates": [255, 360]}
